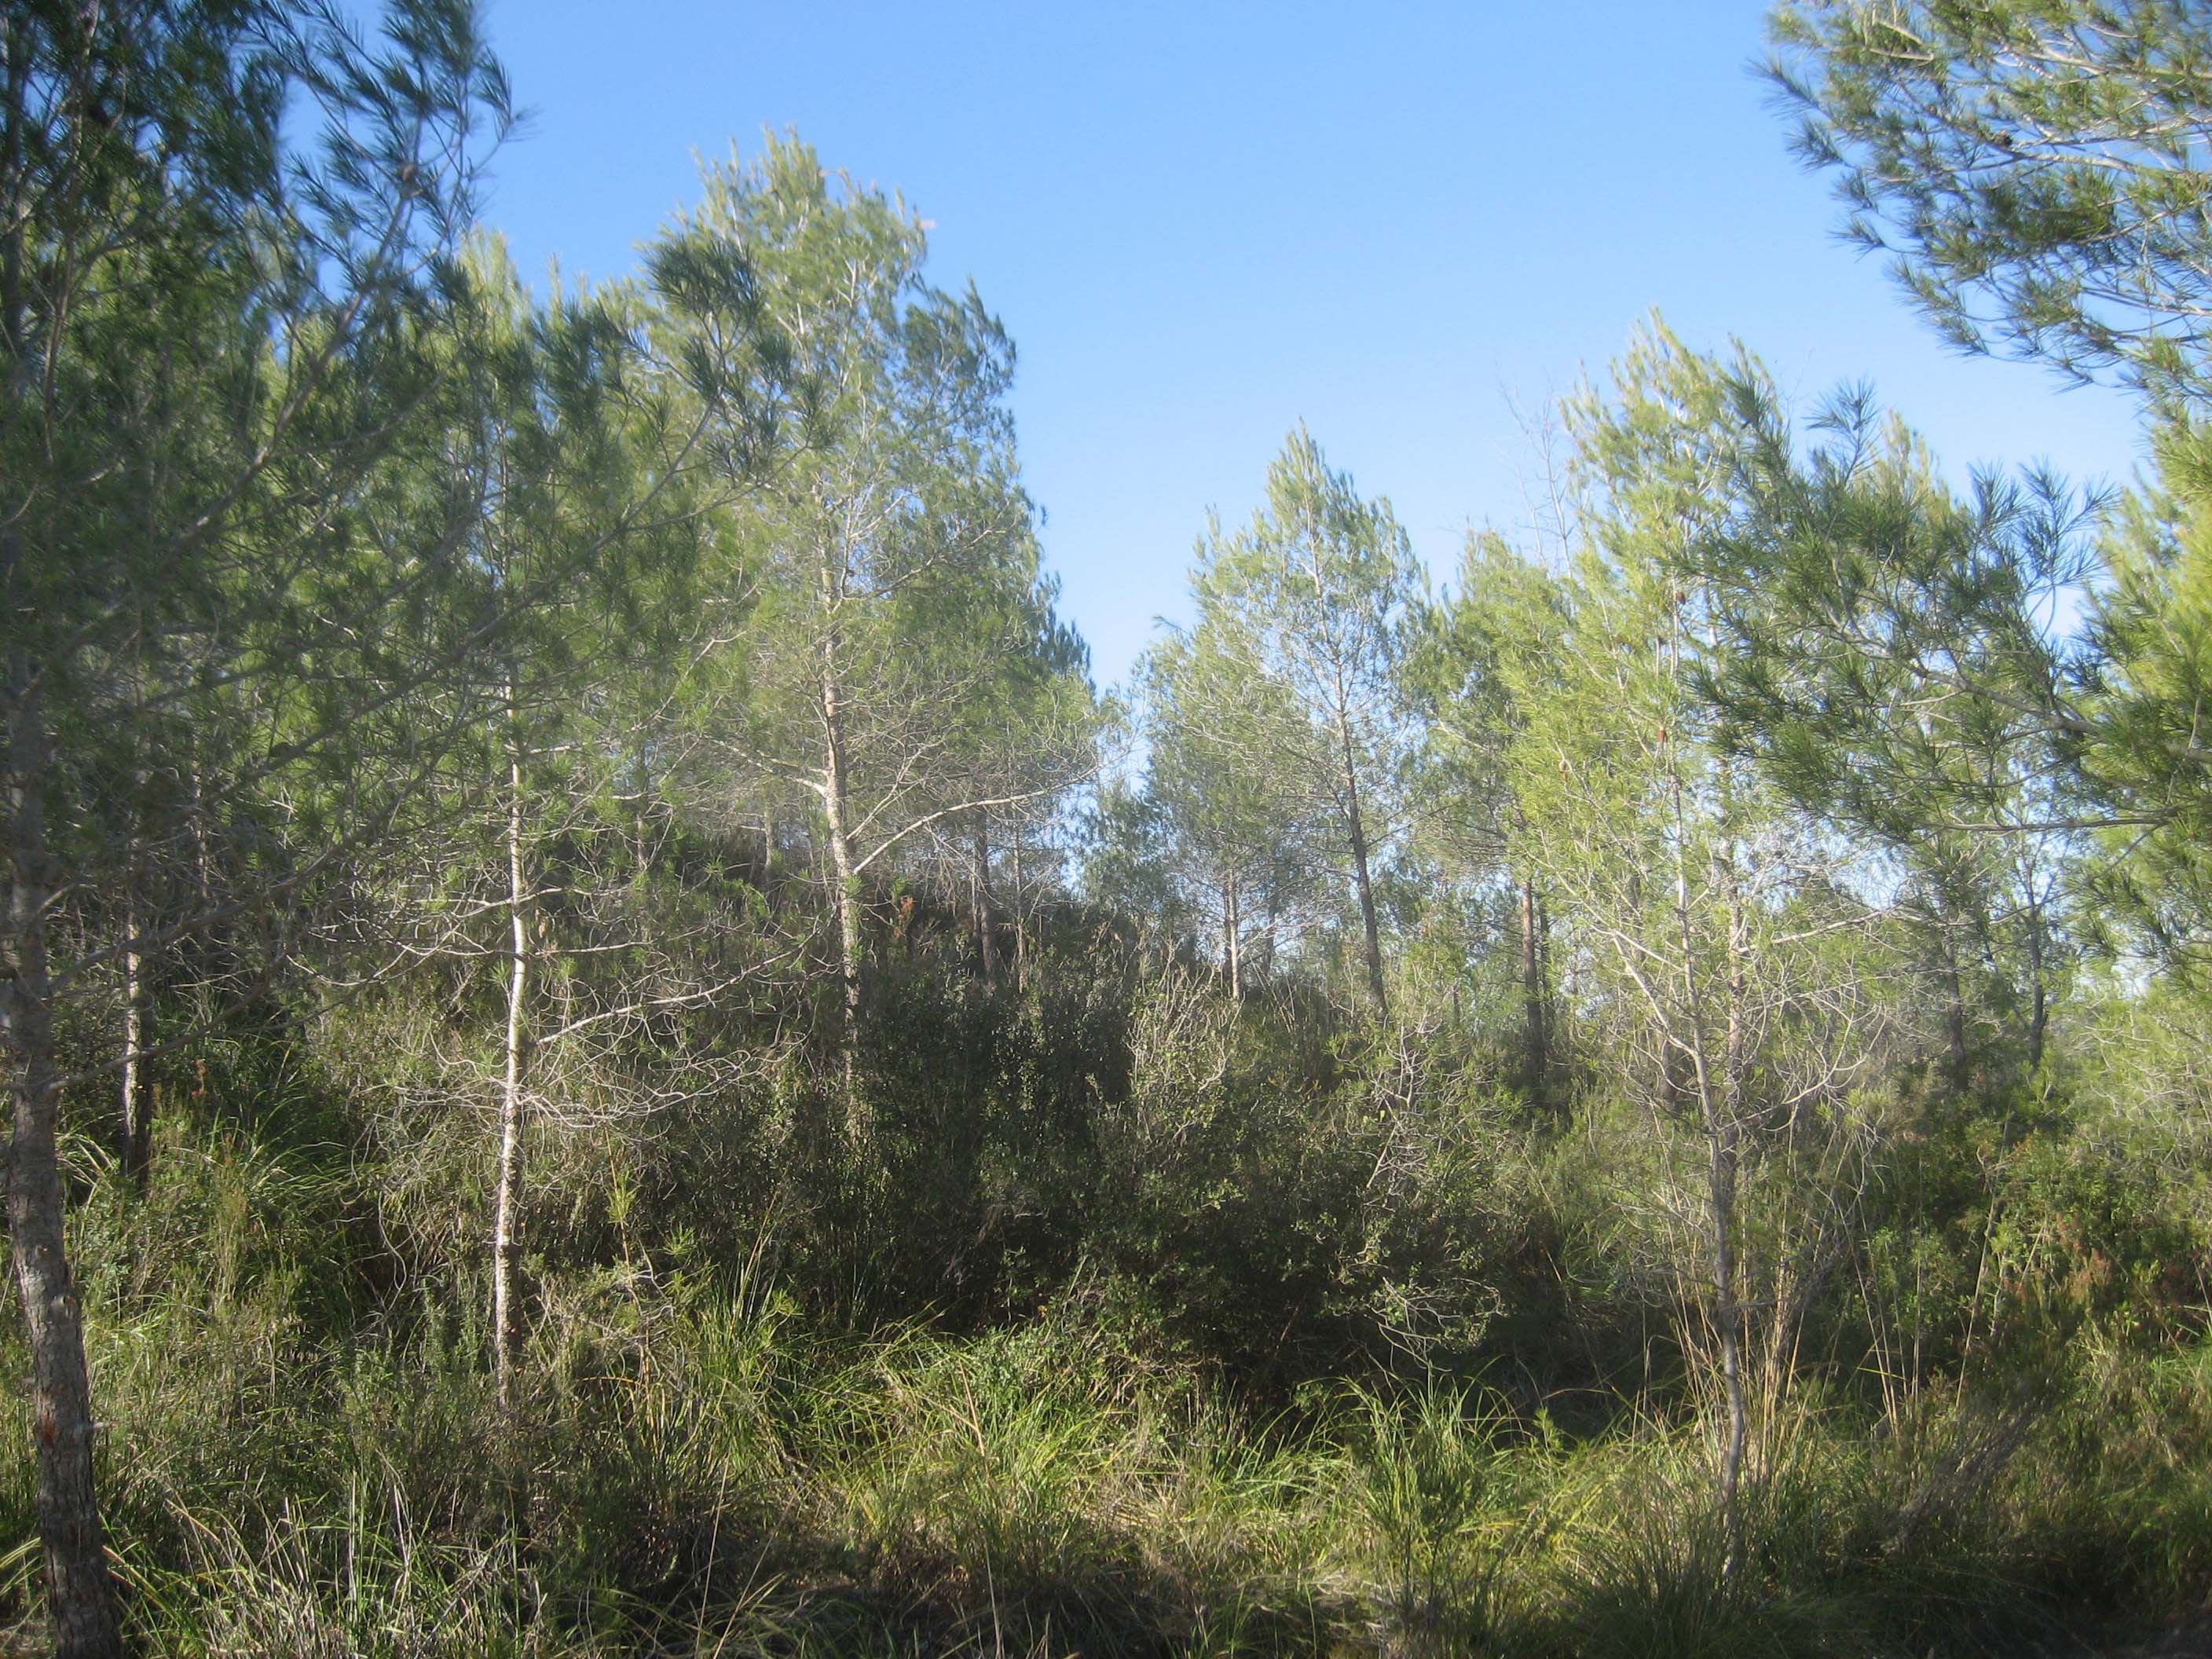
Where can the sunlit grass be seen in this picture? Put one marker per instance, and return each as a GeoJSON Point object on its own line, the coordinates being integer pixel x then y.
{"type": "Point", "coordinates": [745, 1488]}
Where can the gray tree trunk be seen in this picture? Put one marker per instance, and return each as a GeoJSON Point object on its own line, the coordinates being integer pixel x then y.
{"type": "Point", "coordinates": [987, 944]}
{"type": "Point", "coordinates": [1232, 928]}
{"type": "Point", "coordinates": [80, 1590]}
{"type": "Point", "coordinates": [1724, 1137]}
{"type": "Point", "coordinates": [2039, 1019]}
{"type": "Point", "coordinates": [137, 1147]}
{"type": "Point", "coordinates": [1535, 1005]}
{"type": "Point", "coordinates": [1021, 916]}
{"type": "Point", "coordinates": [1955, 1013]}
{"type": "Point", "coordinates": [507, 1224]}
{"type": "Point", "coordinates": [1356, 828]}
{"type": "Point", "coordinates": [842, 870]}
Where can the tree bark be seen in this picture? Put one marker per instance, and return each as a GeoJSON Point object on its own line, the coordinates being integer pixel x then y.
{"type": "Point", "coordinates": [1356, 828]}
{"type": "Point", "coordinates": [1021, 916]}
{"type": "Point", "coordinates": [986, 945]}
{"type": "Point", "coordinates": [507, 1239]}
{"type": "Point", "coordinates": [1724, 1136]}
{"type": "Point", "coordinates": [136, 1139]}
{"type": "Point", "coordinates": [1720, 1106]}
{"type": "Point", "coordinates": [2039, 1019]}
{"type": "Point", "coordinates": [842, 863]}
{"type": "Point", "coordinates": [1232, 928]}
{"type": "Point", "coordinates": [1535, 1007]}
{"type": "Point", "coordinates": [79, 1590]}
{"type": "Point", "coordinates": [1955, 1013]}
{"type": "Point", "coordinates": [81, 1598]}
{"type": "Point", "coordinates": [1717, 1113]}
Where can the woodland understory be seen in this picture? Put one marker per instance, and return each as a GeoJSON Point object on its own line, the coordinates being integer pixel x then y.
{"type": "Point", "coordinates": [614, 1050]}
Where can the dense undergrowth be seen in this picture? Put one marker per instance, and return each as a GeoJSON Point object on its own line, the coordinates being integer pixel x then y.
{"type": "Point", "coordinates": [1134, 1364]}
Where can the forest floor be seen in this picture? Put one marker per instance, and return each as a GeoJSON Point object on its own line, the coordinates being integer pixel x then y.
{"type": "Point", "coordinates": [2191, 1641]}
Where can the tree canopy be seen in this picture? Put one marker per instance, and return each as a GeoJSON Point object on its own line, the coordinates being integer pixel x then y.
{"type": "Point", "coordinates": [614, 1049]}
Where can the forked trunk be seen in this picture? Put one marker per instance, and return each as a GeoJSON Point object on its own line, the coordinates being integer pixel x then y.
{"type": "Point", "coordinates": [1720, 1112]}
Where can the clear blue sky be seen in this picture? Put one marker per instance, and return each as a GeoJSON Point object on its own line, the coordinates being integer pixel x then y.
{"type": "Point", "coordinates": [1205, 221]}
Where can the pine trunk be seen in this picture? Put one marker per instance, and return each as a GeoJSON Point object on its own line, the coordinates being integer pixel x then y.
{"type": "Point", "coordinates": [1725, 1154]}
{"type": "Point", "coordinates": [1021, 917]}
{"type": "Point", "coordinates": [1536, 1011]}
{"type": "Point", "coordinates": [81, 1596]}
{"type": "Point", "coordinates": [2039, 1019]}
{"type": "Point", "coordinates": [843, 868]}
{"type": "Point", "coordinates": [1232, 928]}
{"type": "Point", "coordinates": [79, 1590]}
{"type": "Point", "coordinates": [1356, 828]}
{"type": "Point", "coordinates": [507, 1236]}
{"type": "Point", "coordinates": [136, 1137]}
{"type": "Point", "coordinates": [1954, 1015]}
{"type": "Point", "coordinates": [986, 947]}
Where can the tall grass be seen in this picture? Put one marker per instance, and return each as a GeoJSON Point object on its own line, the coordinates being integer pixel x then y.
{"type": "Point", "coordinates": [729, 1484]}
{"type": "Point", "coordinates": [303, 1455]}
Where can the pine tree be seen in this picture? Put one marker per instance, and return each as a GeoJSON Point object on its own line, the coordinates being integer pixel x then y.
{"type": "Point", "coordinates": [890, 552]}
{"type": "Point", "coordinates": [213, 339]}
{"type": "Point", "coordinates": [2035, 166]}
{"type": "Point", "coordinates": [1501, 621]}
{"type": "Point", "coordinates": [1302, 626]}
{"type": "Point", "coordinates": [1708, 920]}
{"type": "Point", "coordinates": [1240, 851]}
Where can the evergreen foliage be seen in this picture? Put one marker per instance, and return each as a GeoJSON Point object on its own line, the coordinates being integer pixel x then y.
{"type": "Point", "coordinates": [615, 1051]}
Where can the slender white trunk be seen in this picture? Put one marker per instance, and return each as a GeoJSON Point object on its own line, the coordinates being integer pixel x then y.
{"type": "Point", "coordinates": [507, 1241]}
{"type": "Point", "coordinates": [1717, 1112]}
{"type": "Point", "coordinates": [137, 1102]}
{"type": "Point", "coordinates": [843, 872]}
{"type": "Point", "coordinates": [136, 1139]}
{"type": "Point", "coordinates": [1726, 1136]}
{"type": "Point", "coordinates": [1232, 929]}
{"type": "Point", "coordinates": [1719, 1105]}
{"type": "Point", "coordinates": [1021, 918]}
{"type": "Point", "coordinates": [1356, 827]}
{"type": "Point", "coordinates": [2038, 1018]}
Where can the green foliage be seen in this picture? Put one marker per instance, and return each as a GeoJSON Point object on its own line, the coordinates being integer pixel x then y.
{"type": "Point", "coordinates": [2037, 165]}
{"type": "Point", "coordinates": [1276, 722]}
{"type": "Point", "coordinates": [2151, 632]}
{"type": "Point", "coordinates": [1695, 1142]}
{"type": "Point", "coordinates": [2034, 165]}
{"type": "Point", "coordinates": [726, 1476]}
